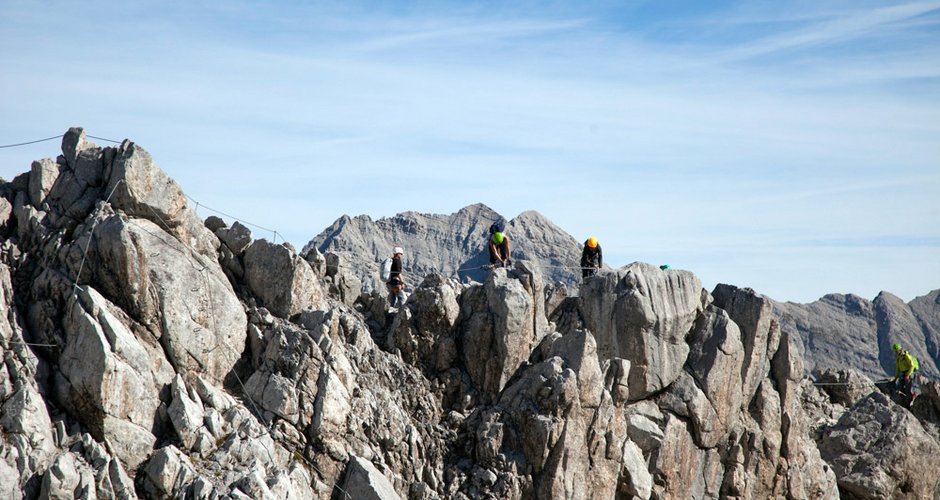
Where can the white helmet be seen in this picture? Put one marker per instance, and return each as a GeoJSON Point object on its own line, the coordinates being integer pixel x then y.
{"type": "Point", "coordinates": [398, 250]}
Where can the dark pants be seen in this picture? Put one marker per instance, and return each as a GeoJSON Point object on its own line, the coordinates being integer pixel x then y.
{"type": "Point", "coordinates": [494, 259]}
{"type": "Point", "coordinates": [908, 387]}
{"type": "Point", "coordinates": [587, 272]}
{"type": "Point", "coordinates": [396, 293]}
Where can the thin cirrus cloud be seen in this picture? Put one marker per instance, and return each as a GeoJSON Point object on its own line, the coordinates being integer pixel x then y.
{"type": "Point", "coordinates": [833, 29]}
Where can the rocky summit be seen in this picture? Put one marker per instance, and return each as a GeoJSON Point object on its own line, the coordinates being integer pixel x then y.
{"type": "Point", "coordinates": [454, 245]}
{"type": "Point", "coordinates": [151, 354]}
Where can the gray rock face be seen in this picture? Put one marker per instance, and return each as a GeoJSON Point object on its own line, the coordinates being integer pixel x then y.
{"type": "Point", "coordinates": [643, 314]}
{"type": "Point", "coordinates": [760, 333]}
{"type": "Point", "coordinates": [364, 481]}
{"type": "Point", "coordinates": [41, 179]}
{"type": "Point", "coordinates": [68, 477]}
{"type": "Point", "coordinates": [167, 287]}
{"type": "Point", "coordinates": [168, 472]}
{"type": "Point", "coordinates": [142, 190]}
{"type": "Point", "coordinates": [504, 321]}
{"type": "Point", "coordinates": [424, 333]}
{"type": "Point", "coordinates": [879, 450]}
{"type": "Point", "coordinates": [342, 282]}
{"type": "Point", "coordinates": [109, 379]}
{"type": "Point", "coordinates": [453, 245]}
{"type": "Point", "coordinates": [845, 387]}
{"type": "Point", "coordinates": [710, 393]}
{"type": "Point", "coordinates": [285, 283]}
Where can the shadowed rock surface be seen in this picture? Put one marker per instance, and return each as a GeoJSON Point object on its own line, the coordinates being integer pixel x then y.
{"type": "Point", "coordinates": [145, 356]}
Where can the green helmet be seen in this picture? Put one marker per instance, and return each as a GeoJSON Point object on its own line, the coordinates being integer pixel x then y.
{"type": "Point", "coordinates": [896, 346]}
{"type": "Point", "coordinates": [498, 238]}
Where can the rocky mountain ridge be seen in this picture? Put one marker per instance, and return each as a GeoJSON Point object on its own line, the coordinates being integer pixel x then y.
{"type": "Point", "coordinates": [150, 354]}
{"type": "Point", "coordinates": [453, 245]}
{"type": "Point", "coordinates": [847, 331]}
{"type": "Point", "coordinates": [836, 331]}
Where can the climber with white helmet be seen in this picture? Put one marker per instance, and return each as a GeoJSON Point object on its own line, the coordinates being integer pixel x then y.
{"type": "Point", "coordinates": [396, 283]}
{"type": "Point", "coordinates": [905, 367]}
{"type": "Point", "coordinates": [592, 258]}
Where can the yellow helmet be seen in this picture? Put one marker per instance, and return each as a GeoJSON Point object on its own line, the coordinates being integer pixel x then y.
{"type": "Point", "coordinates": [592, 242]}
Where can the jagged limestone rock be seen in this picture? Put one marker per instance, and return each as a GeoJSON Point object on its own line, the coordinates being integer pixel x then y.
{"type": "Point", "coordinates": [880, 450]}
{"type": "Point", "coordinates": [759, 331]}
{"type": "Point", "coordinates": [82, 175]}
{"type": "Point", "coordinates": [68, 477]}
{"type": "Point", "coordinates": [499, 328]}
{"type": "Point", "coordinates": [142, 190]}
{"type": "Point", "coordinates": [364, 481]}
{"type": "Point", "coordinates": [681, 469]}
{"type": "Point", "coordinates": [9, 481]}
{"type": "Point", "coordinates": [108, 378]}
{"type": "Point", "coordinates": [343, 283]}
{"type": "Point", "coordinates": [181, 295]}
{"type": "Point", "coordinates": [638, 482]}
{"type": "Point", "coordinates": [845, 386]}
{"type": "Point", "coordinates": [555, 295]}
{"type": "Point", "coordinates": [6, 213]}
{"type": "Point", "coordinates": [286, 383]}
{"type": "Point", "coordinates": [643, 314]}
{"type": "Point", "coordinates": [579, 350]}
{"type": "Point", "coordinates": [424, 332]}
{"type": "Point", "coordinates": [168, 473]}
{"type": "Point", "coordinates": [714, 362]}
{"type": "Point", "coordinates": [237, 237]}
{"type": "Point", "coordinates": [284, 282]}
{"type": "Point", "coordinates": [24, 412]}
{"type": "Point", "coordinates": [42, 177]}
{"type": "Point", "coordinates": [186, 413]}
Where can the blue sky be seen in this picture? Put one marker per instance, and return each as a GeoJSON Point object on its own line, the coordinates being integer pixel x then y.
{"type": "Point", "coordinates": [793, 147]}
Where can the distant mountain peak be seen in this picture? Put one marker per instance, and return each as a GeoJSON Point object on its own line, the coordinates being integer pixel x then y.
{"type": "Point", "coordinates": [448, 243]}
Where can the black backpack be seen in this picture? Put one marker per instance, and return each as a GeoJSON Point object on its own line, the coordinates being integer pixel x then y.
{"type": "Point", "coordinates": [496, 227]}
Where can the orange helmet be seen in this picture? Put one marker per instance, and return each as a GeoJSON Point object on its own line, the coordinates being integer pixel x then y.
{"type": "Point", "coordinates": [592, 242]}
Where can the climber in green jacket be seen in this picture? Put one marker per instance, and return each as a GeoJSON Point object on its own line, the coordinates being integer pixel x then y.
{"type": "Point", "coordinates": [905, 366]}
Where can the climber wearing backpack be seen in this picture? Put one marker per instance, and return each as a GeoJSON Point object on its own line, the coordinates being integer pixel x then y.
{"type": "Point", "coordinates": [395, 282]}
{"type": "Point", "coordinates": [499, 249]}
{"type": "Point", "coordinates": [905, 367]}
{"type": "Point", "coordinates": [591, 258]}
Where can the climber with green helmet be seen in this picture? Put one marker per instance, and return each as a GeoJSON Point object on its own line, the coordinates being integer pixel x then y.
{"type": "Point", "coordinates": [592, 258]}
{"type": "Point", "coordinates": [499, 249]}
{"type": "Point", "coordinates": [905, 366]}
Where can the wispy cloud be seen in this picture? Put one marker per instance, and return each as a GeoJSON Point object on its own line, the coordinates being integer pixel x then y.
{"type": "Point", "coordinates": [830, 28]}
{"type": "Point", "coordinates": [465, 34]}
{"type": "Point", "coordinates": [736, 129]}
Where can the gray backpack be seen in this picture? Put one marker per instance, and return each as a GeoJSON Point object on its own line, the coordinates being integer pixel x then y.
{"type": "Point", "coordinates": [385, 272]}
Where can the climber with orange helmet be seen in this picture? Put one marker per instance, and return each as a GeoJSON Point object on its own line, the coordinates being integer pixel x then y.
{"type": "Point", "coordinates": [905, 366]}
{"type": "Point", "coordinates": [592, 258]}
{"type": "Point", "coordinates": [499, 249]}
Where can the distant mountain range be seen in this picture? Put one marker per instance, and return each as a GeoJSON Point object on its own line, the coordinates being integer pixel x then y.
{"type": "Point", "coordinates": [841, 331]}
{"type": "Point", "coordinates": [453, 245]}
{"type": "Point", "coordinates": [837, 331]}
